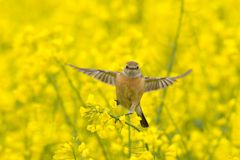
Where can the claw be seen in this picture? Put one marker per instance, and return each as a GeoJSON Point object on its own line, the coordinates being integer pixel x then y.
{"type": "Point", "coordinates": [128, 114]}
{"type": "Point", "coordinates": [117, 102]}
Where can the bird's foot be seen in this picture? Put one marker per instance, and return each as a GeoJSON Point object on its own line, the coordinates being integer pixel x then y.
{"type": "Point", "coordinates": [117, 102]}
{"type": "Point", "coordinates": [128, 114]}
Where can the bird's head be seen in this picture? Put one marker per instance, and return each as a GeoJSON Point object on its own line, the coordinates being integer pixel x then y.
{"type": "Point", "coordinates": [132, 69]}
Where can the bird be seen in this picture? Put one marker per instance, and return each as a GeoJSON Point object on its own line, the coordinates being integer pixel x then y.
{"type": "Point", "coordinates": [131, 85]}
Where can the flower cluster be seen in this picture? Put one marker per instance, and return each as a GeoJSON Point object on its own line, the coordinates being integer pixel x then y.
{"type": "Point", "coordinates": [75, 150]}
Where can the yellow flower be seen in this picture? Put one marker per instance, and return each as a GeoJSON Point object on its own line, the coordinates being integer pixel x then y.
{"type": "Point", "coordinates": [83, 111]}
{"type": "Point", "coordinates": [122, 119]}
{"type": "Point", "coordinates": [143, 156]}
{"type": "Point", "coordinates": [91, 128]}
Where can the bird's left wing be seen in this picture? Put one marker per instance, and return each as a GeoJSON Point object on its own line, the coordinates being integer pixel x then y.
{"type": "Point", "coordinates": [160, 83]}
{"type": "Point", "coordinates": [108, 77]}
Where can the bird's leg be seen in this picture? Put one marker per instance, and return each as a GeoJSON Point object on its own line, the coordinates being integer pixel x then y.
{"type": "Point", "coordinates": [132, 109]}
{"type": "Point", "coordinates": [128, 114]}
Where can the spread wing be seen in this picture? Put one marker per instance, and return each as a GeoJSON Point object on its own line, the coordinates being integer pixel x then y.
{"type": "Point", "coordinates": [152, 83]}
{"type": "Point", "coordinates": [108, 77]}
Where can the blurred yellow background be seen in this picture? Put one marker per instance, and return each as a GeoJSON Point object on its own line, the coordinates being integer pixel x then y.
{"type": "Point", "coordinates": [50, 111]}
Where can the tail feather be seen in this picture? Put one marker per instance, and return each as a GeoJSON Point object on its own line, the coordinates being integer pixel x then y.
{"type": "Point", "coordinates": [143, 121]}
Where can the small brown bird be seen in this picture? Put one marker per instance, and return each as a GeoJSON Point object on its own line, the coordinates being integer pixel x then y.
{"type": "Point", "coordinates": [130, 85]}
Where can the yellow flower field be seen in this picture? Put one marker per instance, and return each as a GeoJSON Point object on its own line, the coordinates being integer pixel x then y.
{"type": "Point", "coordinates": [49, 111]}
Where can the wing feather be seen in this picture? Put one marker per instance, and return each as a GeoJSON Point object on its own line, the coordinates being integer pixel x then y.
{"type": "Point", "coordinates": [153, 83]}
{"type": "Point", "coordinates": [108, 77]}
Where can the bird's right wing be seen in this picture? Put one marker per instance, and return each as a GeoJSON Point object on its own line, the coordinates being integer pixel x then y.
{"type": "Point", "coordinates": [108, 77]}
{"type": "Point", "coordinates": [152, 83]}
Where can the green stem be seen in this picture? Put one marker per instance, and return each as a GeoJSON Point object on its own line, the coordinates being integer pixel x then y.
{"type": "Point", "coordinates": [129, 138]}
{"type": "Point", "coordinates": [176, 127]}
{"type": "Point", "coordinates": [172, 56]}
{"type": "Point", "coordinates": [126, 122]}
{"type": "Point", "coordinates": [175, 42]}
{"type": "Point", "coordinates": [169, 69]}
{"type": "Point", "coordinates": [60, 100]}
{"type": "Point", "coordinates": [74, 88]}
{"type": "Point", "coordinates": [71, 83]}
{"type": "Point", "coordinates": [73, 152]}
{"type": "Point", "coordinates": [102, 146]}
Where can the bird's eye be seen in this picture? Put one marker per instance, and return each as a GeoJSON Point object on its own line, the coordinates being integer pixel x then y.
{"type": "Point", "coordinates": [127, 67]}
{"type": "Point", "coordinates": [137, 67]}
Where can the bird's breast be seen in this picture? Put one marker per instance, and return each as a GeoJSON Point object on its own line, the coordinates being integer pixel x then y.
{"type": "Point", "coordinates": [129, 89]}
